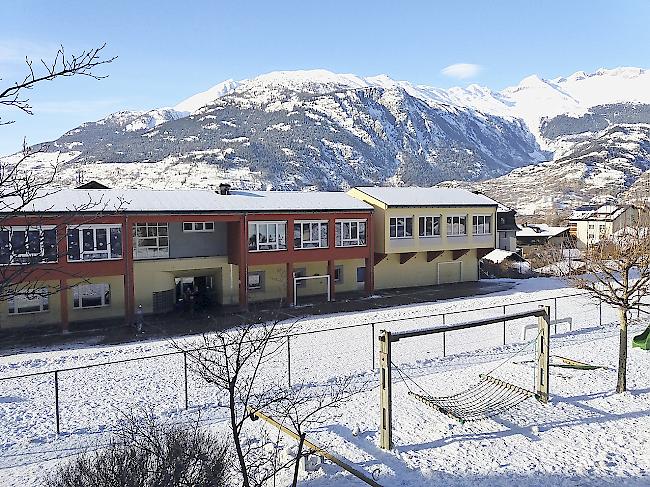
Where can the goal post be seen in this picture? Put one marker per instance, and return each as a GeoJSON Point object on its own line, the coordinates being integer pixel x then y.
{"type": "Point", "coordinates": [297, 279]}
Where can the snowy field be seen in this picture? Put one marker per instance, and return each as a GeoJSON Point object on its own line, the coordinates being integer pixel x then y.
{"type": "Point", "coordinates": [586, 435]}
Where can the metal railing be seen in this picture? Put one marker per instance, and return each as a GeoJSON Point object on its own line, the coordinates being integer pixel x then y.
{"type": "Point", "coordinates": [371, 325]}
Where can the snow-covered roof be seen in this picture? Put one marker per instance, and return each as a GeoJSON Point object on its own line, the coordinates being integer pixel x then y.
{"type": "Point", "coordinates": [498, 255]}
{"type": "Point", "coordinates": [415, 196]}
{"type": "Point", "coordinates": [540, 230]}
{"type": "Point", "coordinates": [602, 213]}
{"type": "Point", "coordinates": [185, 201]}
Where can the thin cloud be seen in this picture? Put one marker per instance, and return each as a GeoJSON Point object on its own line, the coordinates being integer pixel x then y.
{"type": "Point", "coordinates": [462, 70]}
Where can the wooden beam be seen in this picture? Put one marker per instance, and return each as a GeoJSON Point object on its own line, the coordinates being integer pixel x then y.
{"type": "Point", "coordinates": [433, 255]}
{"type": "Point", "coordinates": [314, 449]}
{"type": "Point", "coordinates": [379, 257]}
{"type": "Point", "coordinates": [457, 254]}
{"type": "Point", "coordinates": [405, 257]}
{"type": "Point", "coordinates": [480, 253]}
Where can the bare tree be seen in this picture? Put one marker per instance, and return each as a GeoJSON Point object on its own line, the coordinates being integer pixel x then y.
{"type": "Point", "coordinates": [243, 364]}
{"type": "Point", "coordinates": [23, 189]}
{"type": "Point", "coordinates": [615, 271]}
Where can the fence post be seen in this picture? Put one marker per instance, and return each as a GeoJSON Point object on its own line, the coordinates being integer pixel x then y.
{"type": "Point", "coordinates": [372, 339]}
{"type": "Point", "coordinates": [504, 325]}
{"type": "Point", "coordinates": [185, 367]}
{"type": "Point", "coordinates": [56, 401]}
{"type": "Point", "coordinates": [543, 343]}
{"type": "Point", "coordinates": [444, 344]}
{"type": "Point", "coordinates": [385, 396]}
{"type": "Point", "coordinates": [600, 312]}
{"type": "Point", "coordinates": [289, 359]}
{"type": "Point", "coordinates": [638, 308]}
{"type": "Point", "coordinates": [555, 311]}
{"type": "Point", "coordinates": [443, 319]}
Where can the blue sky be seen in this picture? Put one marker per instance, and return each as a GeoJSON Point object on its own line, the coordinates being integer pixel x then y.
{"type": "Point", "coordinates": [170, 50]}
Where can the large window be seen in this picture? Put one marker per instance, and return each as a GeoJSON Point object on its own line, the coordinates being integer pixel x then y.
{"type": "Point", "coordinates": [429, 226]}
{"type": "Point", "coordinates": [267, 236]}
{"type": "Point", "coordinates": [198, 226]}
{"type": "Point", "coordinates": [35, 301]}
{"type": "Point", "coordinates": [94, 242]}
{"type": "Point", "coordinates": [27, 245]}
{"type": "Point", "coordinates": [350, 233]}
{"type": "Point", "coordinates": [482, 224]}
{"type": "Point", "coordinates": [91, 295]}
{"type": "Point", "coordinates": [150, 241]}
{"type": "Point", "coordinates": [401, 227]}
{"type": "Point", "coordinates": [457, 225]}
{"type": "Point", "coordinates": [310, 234]}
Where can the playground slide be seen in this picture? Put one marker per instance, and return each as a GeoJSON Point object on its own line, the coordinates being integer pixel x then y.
{"type": "Point", "coordinates": [643, 340]}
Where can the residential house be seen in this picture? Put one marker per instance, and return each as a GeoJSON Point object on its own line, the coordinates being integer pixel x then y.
{"type": "Point", "coordinates": [592, 224]}
{"type": "Point", "coordinates": [533, 236]}
{"type": "Point", "coordinates": [428, 236]}
{"type": "Point", "coordinates": [506, 228]}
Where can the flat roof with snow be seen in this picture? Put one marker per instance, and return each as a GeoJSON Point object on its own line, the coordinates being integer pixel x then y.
{"type": "Point", "coordinates": [415, 196]}
{"type": "Point", "coordinates": [184, 201]}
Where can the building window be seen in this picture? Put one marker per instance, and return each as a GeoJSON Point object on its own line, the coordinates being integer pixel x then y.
{"type": "Point", "coordinates": [482, 224]}
{"type": "Point", "coordinates": [361, 274]}
{"type": "Point", "coordinates": [456, 225]}
{"type": "Point", "coordinates": [401, 227]}
{"type": "Point", "coordinates": [198, 226]}
{"type": "Point", "coordinates": [310, 235]}
{"type": "Point", "coordinates": [591, 227]}
{"type": "Point", "coordinates": [91, 296]}
{"type": "Point", "coordinates": [151, 241]}
{"type": "Point", "coordinates": [256, 281]}
{"type": "Point", "coordinates": [267, 236]}
{"type": "Point", "coordinates": [36, 301]}
{"type": "Point", "coordinates": [94, 242]}
{"type": "Point", "coordinates": [338, 274]}
{"type": "Point", "coordinates": [350, 233]}
{"type": "Point", "coordinates": [28, 245]}
{"type": "Point", "coordinates": [429, 226]}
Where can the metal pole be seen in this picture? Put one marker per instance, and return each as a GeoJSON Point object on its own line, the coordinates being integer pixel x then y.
{"type": "Point", "coordinates": [444, 344]}
{"type": "Point", "coordinates": [638, 308]}
{"type": "Point", "coordinates": [56, 401]}
{"type": "Point", "coordinates": [443, 319]}
{"type": "Point", "coordinates": [385, 392]}
{"type": "Point", "coordinates": [555, 311]}
{"type": "Point", "coordinates": [185, 367]}
{"type": "Point", "coordinates": [600, 312]}
{"type": "Point", "coordinates": [543, 343]}
{"type": "Point", "coordinates": [504, 325]}
{"type": "Point", "coordinates": [372, 338]}
{"type": "Point", "coordinates": [289, 359]}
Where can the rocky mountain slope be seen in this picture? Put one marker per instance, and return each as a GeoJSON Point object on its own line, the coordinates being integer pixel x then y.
{"type": "Point", "coordinates": [317, 129]}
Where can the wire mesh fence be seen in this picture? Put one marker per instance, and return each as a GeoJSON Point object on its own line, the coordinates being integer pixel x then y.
{"type": "Point", "coordinates": [167, 382]}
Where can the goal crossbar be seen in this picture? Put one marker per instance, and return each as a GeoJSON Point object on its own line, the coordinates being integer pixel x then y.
{"type": "Point", "coordinates": [327, 277]}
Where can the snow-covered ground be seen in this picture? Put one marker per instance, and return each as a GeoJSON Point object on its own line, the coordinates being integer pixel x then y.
{"type": "Point", "coordinates": [587, 435]}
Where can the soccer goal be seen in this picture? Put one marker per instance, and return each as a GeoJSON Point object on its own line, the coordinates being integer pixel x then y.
{"type": "Point", "coordinates": [299, 279]}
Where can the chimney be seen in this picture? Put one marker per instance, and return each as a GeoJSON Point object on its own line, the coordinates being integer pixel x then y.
{"type": "Point", "coordinates": [224, 188]}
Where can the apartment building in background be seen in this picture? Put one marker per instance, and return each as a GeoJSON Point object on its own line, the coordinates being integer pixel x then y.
{"type": "Point", "coordinates": [591, 224]}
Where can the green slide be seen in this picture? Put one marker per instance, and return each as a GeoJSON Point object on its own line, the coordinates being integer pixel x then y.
{"type": "Point", "coordinates": [643, 340]}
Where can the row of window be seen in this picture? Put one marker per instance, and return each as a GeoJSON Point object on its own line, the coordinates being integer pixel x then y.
{"type": "Point", "coordinates": [83, 296]}
{"type": "Point", "coordinates": [429, 226]}
{"type": "Point", "coordinates": [306, 234]}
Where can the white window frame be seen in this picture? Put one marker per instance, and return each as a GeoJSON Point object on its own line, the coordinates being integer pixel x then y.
{"type": "Point", "coordinates": [422, 228]}
{"type": "Point", "coordinates": [450, 228]}
{"type": "Point", "coordinates": [77, 295]}
{"type": "Point", "coordinates": [30, 257]}
{"type": "Point", "coordinates": [477, 225]}
{"type": "Point", "coordinates": [152, 231]}
{"type": "Point", "coordinates": [91, 253]}
{"type": "Point", "coordinates": [307, 244]}
{"type": "Point", "coordinates": [280, 242]}
{"type": "Point", "coordinates": [198, 227]}
{"type": "Point", "coordinates": [341, 240]}
{"type": "Point", "coordinates": [401, 218]}
{"type": "Point", "coordinates": [44, 302]}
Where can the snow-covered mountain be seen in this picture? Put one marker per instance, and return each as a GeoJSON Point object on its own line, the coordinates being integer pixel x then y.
{"type": "Point", "coordinates": [318, 129]}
